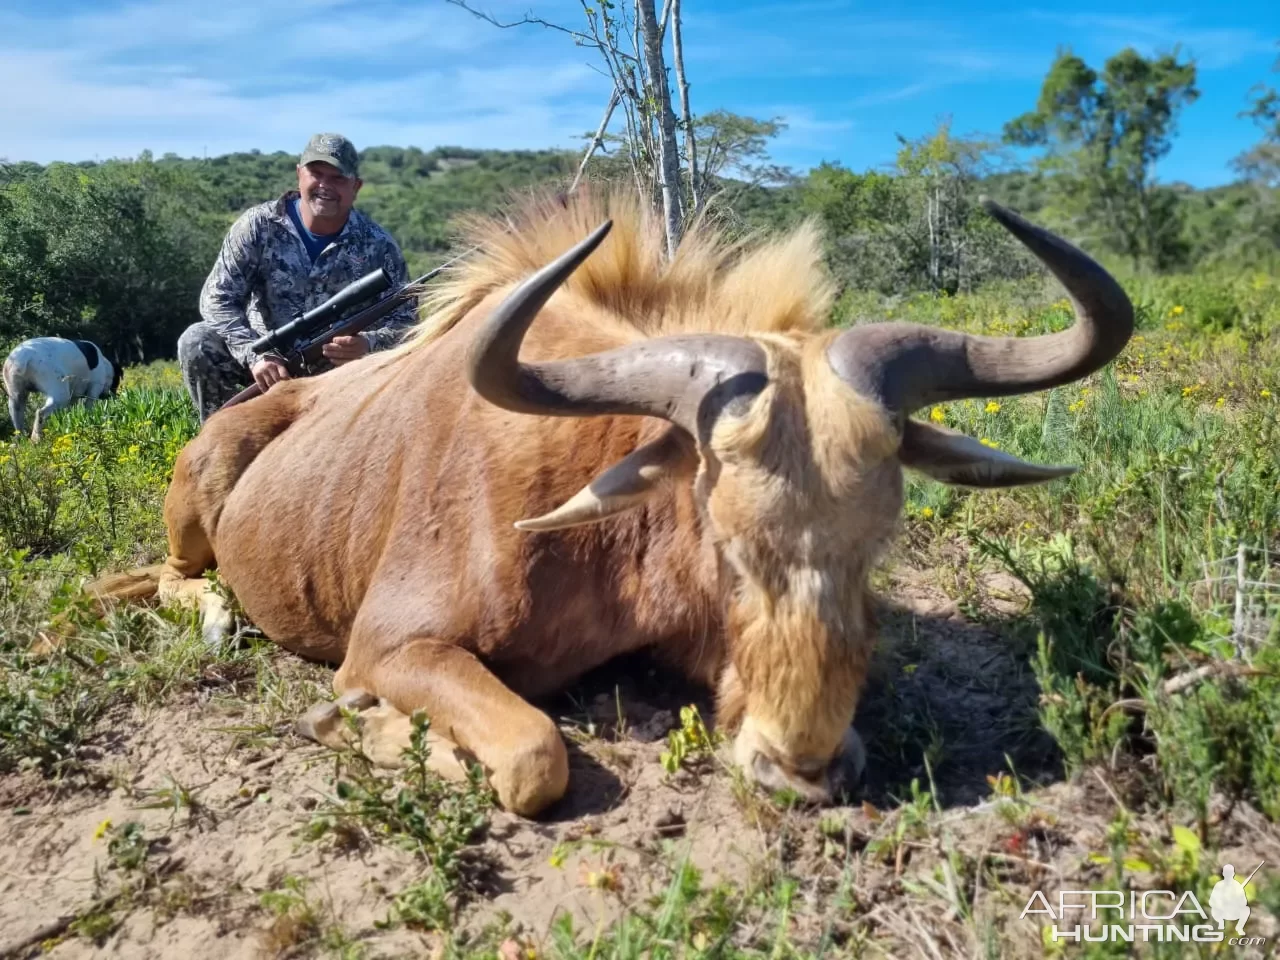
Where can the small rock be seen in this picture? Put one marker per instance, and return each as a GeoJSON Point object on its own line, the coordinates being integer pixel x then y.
{"type": "Point", "coordinates": [656, 727]}
{"type": "Point", "coordinates": [670, 823]}
{"type": "Point", "coordinates": [939, 608]}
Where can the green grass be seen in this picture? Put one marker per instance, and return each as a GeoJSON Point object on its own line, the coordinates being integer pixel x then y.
{"type": "Point", "coordinates": [1153, 573]}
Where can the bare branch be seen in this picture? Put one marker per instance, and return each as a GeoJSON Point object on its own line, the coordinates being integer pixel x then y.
{"type": "Point", "coordinates": [598, 140]}
{"type": "Point", "coordinates": [641, 88]}
{"type": "Point", "coordinates": [527, 20]}
{"type": "Point", "coordinates": [710, 164]}
{"type": "Point", "coordinates": [690, 143]}
{"type": "Point", "coordinates": [623, 80]}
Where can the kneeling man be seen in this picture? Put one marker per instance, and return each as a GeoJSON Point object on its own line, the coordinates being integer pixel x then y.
{"type": "Point", "coordinates": [280, 259]}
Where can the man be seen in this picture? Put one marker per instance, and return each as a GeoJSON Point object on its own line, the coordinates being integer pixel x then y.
{"type": "Point", "coordinates": [280, 259]}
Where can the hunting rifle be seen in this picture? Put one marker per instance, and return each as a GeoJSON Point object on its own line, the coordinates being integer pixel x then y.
{"type": "Point", "coordinates": [308, 333]}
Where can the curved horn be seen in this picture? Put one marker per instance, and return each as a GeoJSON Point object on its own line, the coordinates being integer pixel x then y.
{"type": "Point", "coordinates": [667, 377]}
{"type": "Point", "coordinates": [908, 366]}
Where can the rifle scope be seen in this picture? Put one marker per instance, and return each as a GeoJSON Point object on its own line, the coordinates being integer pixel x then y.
{"type": "Point", "coordinates": [370, 285]}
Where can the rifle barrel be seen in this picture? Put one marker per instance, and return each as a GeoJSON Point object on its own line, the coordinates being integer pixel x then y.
{"type": "Point", "coordinates": [343, 298]}
{"type": "Point", "coordinates": [370, 285]}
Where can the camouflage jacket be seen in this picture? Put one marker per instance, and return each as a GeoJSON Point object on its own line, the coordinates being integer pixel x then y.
{"type": "Point", "coordinates": [263, 277]}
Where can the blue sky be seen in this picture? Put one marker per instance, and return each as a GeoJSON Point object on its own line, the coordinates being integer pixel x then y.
{"type": "Point", "coordinates": [86, 80]}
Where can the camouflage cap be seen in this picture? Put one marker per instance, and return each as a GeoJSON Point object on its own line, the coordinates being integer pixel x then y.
{"type": "Point", "coordinates": [333, 148]}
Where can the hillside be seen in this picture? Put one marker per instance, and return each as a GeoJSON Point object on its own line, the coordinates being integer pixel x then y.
{"type": "Point", "coordinates": [116, 251]}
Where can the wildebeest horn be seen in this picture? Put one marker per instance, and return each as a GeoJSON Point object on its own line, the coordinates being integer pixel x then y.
{"type": "Point", "coordinates": [668, 377]}
{"type": "Point", "coordinates": [908, 366]}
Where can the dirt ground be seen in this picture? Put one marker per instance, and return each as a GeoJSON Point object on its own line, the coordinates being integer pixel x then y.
{"type": "Point", "coordinates": [944, 687]}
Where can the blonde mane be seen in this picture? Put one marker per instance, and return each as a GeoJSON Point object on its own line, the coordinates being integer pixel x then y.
{"type": "Point", "coordinates": [757, 285]}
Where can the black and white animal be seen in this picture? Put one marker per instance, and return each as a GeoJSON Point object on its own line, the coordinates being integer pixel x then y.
{"type": "Point", "coordinates": [65, 371]}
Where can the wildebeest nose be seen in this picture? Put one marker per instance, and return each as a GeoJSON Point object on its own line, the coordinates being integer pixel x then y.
{"type": "Point", "coordinates": [808, 779]}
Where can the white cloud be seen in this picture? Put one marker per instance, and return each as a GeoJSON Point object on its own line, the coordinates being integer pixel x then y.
{"type": "Point", "coordinates": [894, 94]}
{"type": "Point", "coordinates": [265, 75]}
{"type": "Point", "coordinates": [1212, 47]}
{"type": "Point", "coordinates": [181, 76]}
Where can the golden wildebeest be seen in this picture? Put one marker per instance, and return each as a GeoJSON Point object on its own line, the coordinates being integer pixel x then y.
{"type": "Point", "coordinates": [675, 456]}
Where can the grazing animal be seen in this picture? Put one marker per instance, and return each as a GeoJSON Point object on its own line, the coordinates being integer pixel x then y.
{"type": "Point", "coordinates": [65, 371]}
{"type": "Point", "coordinates": [606, 452]}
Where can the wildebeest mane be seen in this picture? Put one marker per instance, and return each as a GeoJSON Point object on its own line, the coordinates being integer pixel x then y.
{"type": "Point", "coordinates": [714, 284]}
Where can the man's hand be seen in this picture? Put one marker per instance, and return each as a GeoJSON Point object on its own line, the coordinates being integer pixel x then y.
{"type": "Point", "coordinates": [342, 350]}
{"type": "Point", "coordinates": [267, 372]}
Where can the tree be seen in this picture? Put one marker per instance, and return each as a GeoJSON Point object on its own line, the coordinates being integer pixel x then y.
{"type": "Point", "coordinates": [731, 158]}
{"type": "Point", "coordinates": [1104, 135]}
{"type": "Point", "coordinates": [1262, 163]}
{"type": "Point", "coordinates": [943, 171]}
{"type": "Point", "coordinates": [681, 179]}
{"type": "Point", "coordinates": [113, 254]}
{"type": "Point", "coordinates": [919, 227]}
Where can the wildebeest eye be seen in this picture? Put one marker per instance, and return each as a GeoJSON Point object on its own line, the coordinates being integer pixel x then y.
{"type": "Point", "coordinates": [731, 397]}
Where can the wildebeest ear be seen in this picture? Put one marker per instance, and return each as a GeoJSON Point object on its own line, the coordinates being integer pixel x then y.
{"type": "Point", "coordinates": [624, 485]}
{"type": "Point", "coordinates": [955, 458]}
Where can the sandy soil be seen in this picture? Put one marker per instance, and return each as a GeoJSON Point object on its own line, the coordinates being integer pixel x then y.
{"type": "Point", "coordinates": [939, 680]}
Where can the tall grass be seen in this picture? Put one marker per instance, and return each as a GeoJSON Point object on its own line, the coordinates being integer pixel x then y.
{"type": "Point", "coordinates": [1160, 557]}
{"type": "Point", "coordinates": [93, 488]}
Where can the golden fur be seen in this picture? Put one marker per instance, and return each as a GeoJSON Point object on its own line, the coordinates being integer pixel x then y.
{"type": "Point", "coordinates": [753, 285]}
{"type": "Point", "coordinates": [367, 516]}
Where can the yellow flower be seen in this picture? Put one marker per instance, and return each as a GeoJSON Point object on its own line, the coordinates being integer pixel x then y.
{"type": "Point", "coordinates": [926, 512]}
{"type": "Point", "coordinates": [1220, 401]}
{"type": "Point", "coordinates": [1177, 311]}
{"type": "Point", "coordinates": [992, 407]}
{"type": "Point", "coordinates": [102, 829]}
{"type": "Point", "coordinates": [936, 415]}
{"type": "Point", "coordinates": [1265, 393]}
{"type": "Point", "coordinates": [989, 443]}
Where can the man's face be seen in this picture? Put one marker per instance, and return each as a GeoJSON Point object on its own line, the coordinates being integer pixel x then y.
{"type": "Point", "coordinates": [325, 191]}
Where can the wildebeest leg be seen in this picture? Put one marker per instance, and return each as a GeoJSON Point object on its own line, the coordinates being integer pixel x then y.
{"type": "Point", "coordinates": [517, 744]}
{"type": "Point", "coordinates": [187, 512]}
{"type": "Point", "coordinates": [191, 554]}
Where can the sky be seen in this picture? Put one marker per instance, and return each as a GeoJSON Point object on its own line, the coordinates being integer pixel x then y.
{"type": "Point", "coordinates": [93, 79]}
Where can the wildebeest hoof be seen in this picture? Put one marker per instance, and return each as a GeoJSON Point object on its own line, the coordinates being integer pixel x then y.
{"type": "Point", "coordinates": [323, 724]}
{"type": "Point", "coordinates": [216, 620]}
{"type": "Point", "coordinates": [382, 733]}
{"type": "Point", "coordinates": [357, 699]}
